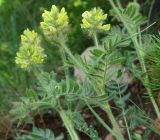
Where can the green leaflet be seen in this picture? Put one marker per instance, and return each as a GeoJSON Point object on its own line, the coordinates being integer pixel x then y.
{"type": "Point", "coordinates": [40, 134]}
{"type": "Point", "coordinates": [131, 15]}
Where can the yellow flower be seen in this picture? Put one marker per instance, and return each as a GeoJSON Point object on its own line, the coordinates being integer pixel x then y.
{"type": "Point", "coordinates": [30, 52]}
{"type": "Point", "coordinates": [93, 21]}
{"type": "Point", "coordinates": [55, 25]}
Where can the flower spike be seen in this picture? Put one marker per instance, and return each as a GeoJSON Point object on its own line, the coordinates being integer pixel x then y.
{"type": "Point", "coordinates": [55, 25]}
{"type": "Point", "coordinates": [30, 52]}
{"type": "Point", "coordinates": [93, 21]}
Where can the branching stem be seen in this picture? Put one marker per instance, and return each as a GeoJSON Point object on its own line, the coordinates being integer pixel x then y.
{"type": "Point", "coordinates": [105, 107]}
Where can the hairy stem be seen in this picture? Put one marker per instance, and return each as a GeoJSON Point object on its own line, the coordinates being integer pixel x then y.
{"type": "Point", "coordinates": [63, 57]}
{"type": "Point", "coordinates": [100, 119]}
{"type": "Point", "coordinates": [76, 62]}
{"type": "Point", "coordinates": [116, 128]}
{"type": "Point", "coordinates": [68, 124]}
{"type": "Point", "coordinates": [124, 117]}
{"type": "Point", "coordinates": [150, 12]}
{"type": "Point", "coordinates": [96, 40]}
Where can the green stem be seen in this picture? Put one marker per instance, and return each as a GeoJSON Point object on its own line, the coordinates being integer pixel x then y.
{"type": "Point", "coordinates": [150, 12]}
{"type": "Point", "coordinates": [140, 57]}
{"type": "Point", "coordinates": [117, 131]}
{"type": "Point", "coordinates": [119, 4]}
{"type": "Point", "coordinates": [76, 62]}
{"type": "Point", "coordinates": [127, 127]}
{"type": "Point", "coordinates": [68, 124]}
{"type": "Point", "coordinates": [124, 117]}
{"type": "Point", "coordinates": [100, 119]}
{"type": "Point", "coordinates": [96, 40]}
{"type": "Point", "coordinates": [63, 57]}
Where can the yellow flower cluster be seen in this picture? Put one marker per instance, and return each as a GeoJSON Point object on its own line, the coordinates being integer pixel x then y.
{"type": "Point", "coordinates": [55, 25]}
{"type": "Point", "coordinates": [93, 21]}
{"type": "Point", "coordinates": [30, 52]}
